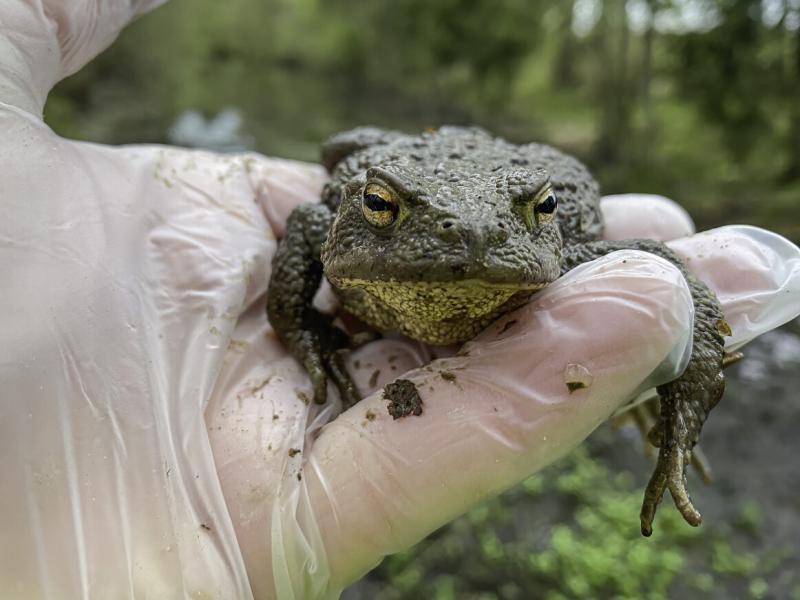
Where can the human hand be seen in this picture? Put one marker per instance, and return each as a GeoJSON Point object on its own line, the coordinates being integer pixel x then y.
{"type": "Point", "coordinates": [140, 277]}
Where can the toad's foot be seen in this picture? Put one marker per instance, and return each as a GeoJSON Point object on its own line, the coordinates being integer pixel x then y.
{"type": "Point", "coordinates": [685, 404]}
{"type": "Point", "coordinates": [645, 417]}
{"type": "Point", "coordinates": [322, 350]}
{"type": "Point", "coordinates": [309, 335]}
{"type": "Point", "coordinates": [675, 453]}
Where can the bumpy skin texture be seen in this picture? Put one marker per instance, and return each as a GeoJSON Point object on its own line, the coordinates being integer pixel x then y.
{"type": "Point", "coordinates": [461, 188]}
{"type": "Point", "coordinates": [469, 237]}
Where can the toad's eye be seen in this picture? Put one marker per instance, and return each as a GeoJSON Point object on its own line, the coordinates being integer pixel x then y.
{"type": "Point", "coordinates": [379, 205]}
{"type": "Point", "coordinates": [545, 206]}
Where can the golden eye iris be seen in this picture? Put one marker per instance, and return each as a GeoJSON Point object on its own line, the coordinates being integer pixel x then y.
{"type": "Point", "coordinates": [379, 205]}
{"type": "Point", "coordinates": [545, 205]}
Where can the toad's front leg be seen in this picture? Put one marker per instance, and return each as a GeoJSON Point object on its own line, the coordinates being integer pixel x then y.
{"type": "Point", "coordinates": [309, 335]}
{"type": "Point", "coordinates": [686, 401]}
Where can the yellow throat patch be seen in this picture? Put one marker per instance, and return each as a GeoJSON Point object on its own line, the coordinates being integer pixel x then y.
{"type": "Point", "coordinates": [435, 312]}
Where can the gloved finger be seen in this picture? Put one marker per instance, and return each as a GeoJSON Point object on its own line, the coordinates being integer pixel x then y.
{"type": "Point", "coordinates": [755, 273]}
{"type": "Point", "coordinates": [644, 216]}
{"type": "Point", "coordinates": [523, 393]}
{"type": "Point", "coordinates": [282, 184]}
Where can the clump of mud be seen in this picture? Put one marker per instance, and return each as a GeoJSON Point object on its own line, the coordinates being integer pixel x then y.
{"type": "Point", "coordinates": [403, 399]}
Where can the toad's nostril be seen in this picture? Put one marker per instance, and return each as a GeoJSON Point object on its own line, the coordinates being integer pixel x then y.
{"type": "Point", "coordinates": [450, 230]}
{"type": "Point", "coordinates": [499, 234]}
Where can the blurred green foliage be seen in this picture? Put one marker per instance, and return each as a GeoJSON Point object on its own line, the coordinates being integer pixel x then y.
{"type": "Point", "coordinates": [703, 109]}
{"type": "Point", "coordinates": [507, 547]}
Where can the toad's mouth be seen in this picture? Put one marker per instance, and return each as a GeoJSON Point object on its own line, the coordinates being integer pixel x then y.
{"type": "Point", "coordinates": [440, 301]}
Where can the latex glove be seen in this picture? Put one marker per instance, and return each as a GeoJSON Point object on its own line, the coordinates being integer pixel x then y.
{"type": "Point", "coordinates": [135, 293]}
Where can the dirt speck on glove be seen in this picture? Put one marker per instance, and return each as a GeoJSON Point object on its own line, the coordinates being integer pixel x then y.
{"type": "Point", "coordinates": [577, 377]}
{"type": "Point", "coordinates": [403, 399]}
{"type": "Point", "coordinates": [447, 376]}
{"type": "Point", "coordinates": [374, 377]}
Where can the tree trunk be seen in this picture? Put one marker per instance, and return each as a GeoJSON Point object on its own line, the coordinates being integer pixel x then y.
{"type": "Point", "coordinates": [647, 69]}
{"type": "Point", "coordinates": [615, 89]}
{"type": "Point", "coordinates": [564, 76]}
{"type": "Point", "coordinates": [793, 168]}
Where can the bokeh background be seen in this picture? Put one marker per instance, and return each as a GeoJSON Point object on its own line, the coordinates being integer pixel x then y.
{"type": "Point", "coordinates": [698, 100]}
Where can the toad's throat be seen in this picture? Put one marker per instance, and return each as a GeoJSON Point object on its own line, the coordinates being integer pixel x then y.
{"type": "Point", "coordinates": [434, 301]}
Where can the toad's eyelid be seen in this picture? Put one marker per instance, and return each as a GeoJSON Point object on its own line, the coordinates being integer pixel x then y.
{"type": "Point", "coordinates": [544, 191]}
{"type": "Point", "coordinates": [392, 182]}
{"type": "Point", "coordinates": [535, 198]}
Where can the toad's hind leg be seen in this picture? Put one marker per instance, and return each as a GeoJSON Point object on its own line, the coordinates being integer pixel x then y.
{"type": "Point", "coordinates": [686, 401]}
{"type": "Point", "coordinates": [309, 335]}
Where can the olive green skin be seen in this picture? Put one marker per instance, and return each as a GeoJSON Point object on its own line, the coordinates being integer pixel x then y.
{"type": "Point", "coordinates": [462, 194]}
{"type": "Point", "coordinates": [469, 180]}
{"type": "Point", "coordinates": [466, 247]}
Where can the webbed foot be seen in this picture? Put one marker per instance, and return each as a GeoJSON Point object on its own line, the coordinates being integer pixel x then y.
{"type": "Point", "coordinates": [685, 404]}
{"type": "Point", "coordinates": [322, 350]}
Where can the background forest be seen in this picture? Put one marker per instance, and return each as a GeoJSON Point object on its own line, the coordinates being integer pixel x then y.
{"type": "Point", "coordinates": [693, 99]}
{"type": "Point", "coordinates": [698, 100]}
